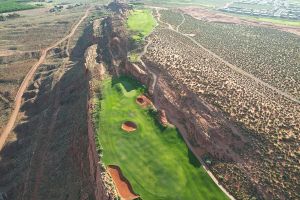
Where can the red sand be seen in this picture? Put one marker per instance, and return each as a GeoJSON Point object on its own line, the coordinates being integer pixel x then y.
{"type": "Point", "coordinates": [143, 101]}
{"type": "Point", "coordinates": [123, 186]}
{"type": "Point", "coordinates": [129, 126]}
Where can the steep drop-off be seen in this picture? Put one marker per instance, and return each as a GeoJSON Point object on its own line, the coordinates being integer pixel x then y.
{"type": "Point", "coordinates": [51, 152]}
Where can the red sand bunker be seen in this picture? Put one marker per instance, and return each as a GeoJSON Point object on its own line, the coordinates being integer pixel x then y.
{"type": "Point", "coordinates": [129, 126]}
{"type": "Point", "coordinates": [143, 101]}
{"type": "Point", "coordinates": [122, 184]}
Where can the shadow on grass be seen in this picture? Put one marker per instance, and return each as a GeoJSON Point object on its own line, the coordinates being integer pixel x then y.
{"type": "Point", "coordinates": [129, 83]}
{"type": "Point", "coordinates": [193, 160]}
{"type": "Point", "coordinates": [154, 114]}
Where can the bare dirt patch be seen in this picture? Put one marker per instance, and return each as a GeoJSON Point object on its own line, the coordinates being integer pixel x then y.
{"type": "Point", "coordinates": [6, 52]}
{"type": "Point", "coordinates": [129, 126]}
{"type": "Point", "coordinates": [214, 16]}
{"type": "Point", "coordinates": [32, 12]}
{"type": "Point", "coordinates": [122, 184]}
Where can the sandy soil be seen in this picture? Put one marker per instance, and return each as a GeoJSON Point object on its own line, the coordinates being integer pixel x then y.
{"type": "Point", "coordinates": [6, 53]}
{"type": "Point", "coordinates": [129, 126]}
{"type": "Point", "coordinates": [31, 12]}
{"type": "Point", "coordinates": [214, 16]}
{"type": "Point", "coordinates": [123, 186]}
{"type": "Point", "coordinates": [27, 79]}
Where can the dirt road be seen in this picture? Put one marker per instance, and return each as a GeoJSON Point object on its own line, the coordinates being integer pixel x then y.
{"type": "Point", "coordinates": [18, 99]}
{"type": "Point", "coordinates": [183, 20]}
{"type": "Point", "coordinates": [154, 76]}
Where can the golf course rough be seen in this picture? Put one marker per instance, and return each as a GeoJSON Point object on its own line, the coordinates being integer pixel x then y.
{"type": "Point", "coordinates": [154, 159]}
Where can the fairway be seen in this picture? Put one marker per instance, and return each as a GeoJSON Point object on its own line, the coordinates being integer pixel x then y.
{"type": "Point", "coordinates": [141, 23]}
{"type": "Point", "coordinates": [154, 159]}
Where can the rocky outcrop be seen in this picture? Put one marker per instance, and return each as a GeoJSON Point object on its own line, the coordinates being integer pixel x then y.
{"type": "Point", "coordinates": [202, 124]}
{"type": "Point", "coordinates": [94, 72]}
{"type": "Point", "coordinates": [114, 43]}
{"type": "Point", "coordinates": [119, 6]}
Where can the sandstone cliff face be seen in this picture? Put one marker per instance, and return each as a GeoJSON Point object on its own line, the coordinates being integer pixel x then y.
{"type": "Point", "coordinates": [203, 125]}
{"type": "Point", "coordinates": [114, 43]}
{"type": "Point", "coordinates": [51, 153]}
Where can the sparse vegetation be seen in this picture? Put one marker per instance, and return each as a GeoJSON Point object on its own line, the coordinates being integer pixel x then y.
{"type": "Point", "coordinates": [265, 53]}
{"type": "Point", "coordinates": [171, 17]}
{"type": "Point", "coordinates": [32, 33]}
{"type": "Point", "coordinates": [20, 41]}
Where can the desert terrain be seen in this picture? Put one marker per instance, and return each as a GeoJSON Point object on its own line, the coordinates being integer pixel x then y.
{"type": "Point", "coordinates": [228, 80]}
{"type": "Point", "coordinates": [147, 100]}
{"type": "Point", "coordinates": [43, 80]}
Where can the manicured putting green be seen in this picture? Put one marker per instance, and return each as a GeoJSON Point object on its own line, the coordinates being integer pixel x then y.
{"type": "Point", "coordinates": [154, 159]}
{"type": "Point", "coordinates": [141, 23]}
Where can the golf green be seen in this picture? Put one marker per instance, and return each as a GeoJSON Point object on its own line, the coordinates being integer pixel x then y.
{"type": "Point", "coordinates": [141, 23]}
{"type": "Point", "coordinates": [154, 159]}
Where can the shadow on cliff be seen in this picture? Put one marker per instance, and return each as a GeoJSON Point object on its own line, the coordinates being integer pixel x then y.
{"type": "Point", "coordinates": [48, 159]}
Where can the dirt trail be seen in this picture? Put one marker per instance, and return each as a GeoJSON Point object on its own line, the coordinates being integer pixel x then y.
{"type": "Point", "coordinates": [18, 99]}
{"type": "Point", "coordinates": [233, 67]}
{"type": "Point", "coordinates": [144, 65]}
{"type": "Point", "coordinates": [183, 20]}
{"type": "Point", "coordinates": [154, 76]}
